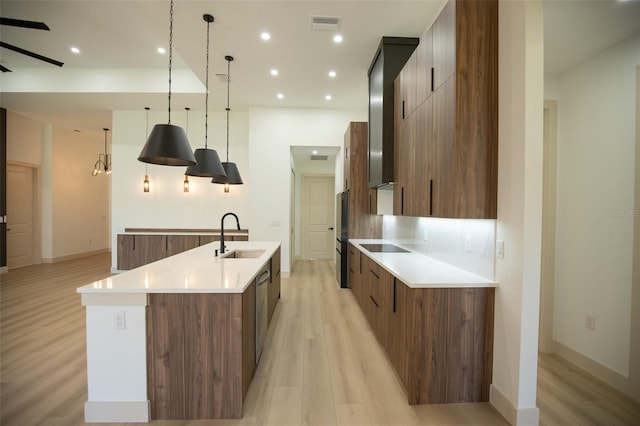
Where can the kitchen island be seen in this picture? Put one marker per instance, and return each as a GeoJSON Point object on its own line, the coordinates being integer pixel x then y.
{"type": "Point", "coordinates": [176, 339]}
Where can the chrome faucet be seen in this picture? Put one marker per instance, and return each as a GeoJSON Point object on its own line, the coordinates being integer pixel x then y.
{"type": "Point", "coordinates": [222, 247]}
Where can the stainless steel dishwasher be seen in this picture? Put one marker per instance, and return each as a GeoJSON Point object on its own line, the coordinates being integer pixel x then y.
{"type": "Point", "coordinates": [262, 285]}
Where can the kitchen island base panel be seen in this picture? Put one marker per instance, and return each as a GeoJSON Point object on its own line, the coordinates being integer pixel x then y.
{"type": "Point", "coordinates": [116, 359]}
{"type": "Point", "coordinates": [116, 412]}
{"type": "Point", "coordinates": [198, 366]}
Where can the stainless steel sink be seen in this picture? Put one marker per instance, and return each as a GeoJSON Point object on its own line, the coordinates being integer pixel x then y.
{"type": "Point", "coordinates": [242, 254]}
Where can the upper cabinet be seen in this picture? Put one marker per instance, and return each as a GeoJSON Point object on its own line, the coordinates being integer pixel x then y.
{"type": "Point", "coordinates": [448, 143]}
{"type": "Point", "coordinates": [389, 59]}
{"type": "Point", "coordinates": [363, 221]}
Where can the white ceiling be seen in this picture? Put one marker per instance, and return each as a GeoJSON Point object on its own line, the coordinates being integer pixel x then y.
{"type": "Point", "coordinates": [119, 68]}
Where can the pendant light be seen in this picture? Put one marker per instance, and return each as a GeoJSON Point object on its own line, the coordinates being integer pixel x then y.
{"type": "Point", "coordinates": [145, 183]}
{"type": "Point", "coordinates": [167, 144]}
{"type": "Point", "coordinates": [208, 161]}
{"type": "Point", "coordinates": [104, 160]}
{"type": "Point", "coordinates": [232, 174]}
{"type": "Point", "coordinates": [185, 183]}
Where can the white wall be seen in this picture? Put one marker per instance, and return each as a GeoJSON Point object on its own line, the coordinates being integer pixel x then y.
{"type": "Point", "coordinates": [515, 351]}
{"type": "Point", "coordinates": [272, 132]}
{"type": "Point", "coordinates": [74, 213]}
{"type": "Point", "coordinates": [166, 205]}
{"type": "Point", "coordinates": [24, 139]}
{"type": "Point", "coordinates": [80, 202]}
{"type": "Point", "coordinates": [596, 155]}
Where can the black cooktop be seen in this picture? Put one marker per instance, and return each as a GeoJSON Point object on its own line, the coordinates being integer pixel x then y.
{"type": "Point", "coordinates": [383, 248]}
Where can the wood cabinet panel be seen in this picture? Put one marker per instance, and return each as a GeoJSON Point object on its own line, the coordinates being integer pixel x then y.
{"type": "Point", "coordinates": [424, 67]}
{"type": "Point", "coordinates": [362, 223]}
{"type": "Point", "coordinates": [135, 250]}
{"type": "Point", "coordinates": [248, 336]}
{"type": "Point", "coordinates": [179, 243]}
{"type": "Point", "coordinates": [126, 245]}
{"type": "Point", "coordinates": [195, 355]}
{"type": "Point", "coordinates": [408, 86]}
{"type": "Point", "coordinates": [444, 167]}
{"type": "Point", "coordinates": [461, 146]}
{"type": "Point", "coordinates": [274, 284]}
{"type": "Point", "coordinates": [444, 44]}
{"type": "Point", "coordinates": [439, 340]}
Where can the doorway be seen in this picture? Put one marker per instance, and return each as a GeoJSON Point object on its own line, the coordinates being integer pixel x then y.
{"type": "Point", "coordinates": [22, 215]}
{"type": "Point", "coordinates": [318, 216]}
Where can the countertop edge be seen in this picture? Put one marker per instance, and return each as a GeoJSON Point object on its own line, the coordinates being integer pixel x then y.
{"type": "Point", "coordinates": [270, 248]}
{"type": "Point", "coordinates": [478, 281]}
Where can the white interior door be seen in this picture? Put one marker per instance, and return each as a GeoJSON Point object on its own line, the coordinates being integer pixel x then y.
{"type": "Point", "coordinates": [20, 203]}
{"type": "Point", "coordinates": [318, 216]}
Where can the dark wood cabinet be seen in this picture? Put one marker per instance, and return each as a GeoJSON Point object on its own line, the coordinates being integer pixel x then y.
{"type": "Point", "coordinates": [438, 340]}
{"type": "Point", "coordinates": [274, 284]}
{"type": "Point", "coordinates": [363, 221]}
{"type": "Point", "coordinates": [424, 67]}
{"type": "Point", "coordinates": [138, 249]}
{"type": "Point", "coordinates": [201, 353]}
{"type": "Point", "coordinates": [414, 153]}
{"type": "Point", "coordinates": [453, 138]}
{"type": "Point", "coordinates": [445, 29]}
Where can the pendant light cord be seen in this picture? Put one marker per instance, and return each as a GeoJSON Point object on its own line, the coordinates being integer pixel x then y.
{"type": "Point", "coordinates": [170, 53]}
{"type": "Point", "coordinates": [206, 96]}
{"type": "Point", "coordinates": [228, 109]}
{"type": "Point", "coordinates": [146, 165]}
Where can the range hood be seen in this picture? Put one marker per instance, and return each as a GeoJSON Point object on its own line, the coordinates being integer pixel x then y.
{"type": "Point", "coordinates": [390, 57]}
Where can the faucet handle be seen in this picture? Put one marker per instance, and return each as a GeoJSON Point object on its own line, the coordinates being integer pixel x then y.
{"type": "Point", "coordinates": [216, 253]}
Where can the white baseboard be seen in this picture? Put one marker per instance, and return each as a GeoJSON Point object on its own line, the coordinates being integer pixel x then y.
{"type": "Point", "coordinates": [74, 256]}
{"type": "Point", "coordinates": [599, 371]}
{"type": "Point", "coordinates": [515, 416]}
{"type": "Point", "coordinates": [116, 411]}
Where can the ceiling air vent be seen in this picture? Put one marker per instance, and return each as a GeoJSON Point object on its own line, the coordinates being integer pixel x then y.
{"type": "Point", "coordinates": [318, 157]}
{"type": "Point", "coordinates": [325, 23]}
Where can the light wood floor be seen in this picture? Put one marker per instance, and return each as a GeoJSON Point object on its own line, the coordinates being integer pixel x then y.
{"type": "Point", "coordinates": [321, 365]}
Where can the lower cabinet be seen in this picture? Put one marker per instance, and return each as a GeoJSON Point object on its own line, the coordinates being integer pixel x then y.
{"type": "Point", "coordinates": [135, 250]}
{"type": "Point", "coordinates": [438, 340]}
{"type": "Point", "coordinates": [274, 284]}
{"type": "Point", "coordinates": [200, 353]}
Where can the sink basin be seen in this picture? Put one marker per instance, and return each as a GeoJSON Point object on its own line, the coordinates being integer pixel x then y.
{"type": "Point", "coordinates": [242, 254]}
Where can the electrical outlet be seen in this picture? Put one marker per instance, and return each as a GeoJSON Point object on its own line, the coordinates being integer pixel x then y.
{"type": "Point", "coordinates": [467, 244]}
{"type": "Point", "coordinates": [590, 321]}
{"type": "Point", "coordinates": [119, 320]}
{"type": "Point", "coordinates": [500, 249]}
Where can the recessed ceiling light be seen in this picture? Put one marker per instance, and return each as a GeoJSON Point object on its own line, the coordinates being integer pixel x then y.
{"type": "Point", "coordinates": [328, 97]}
{"type": "Point", "coordinates": [280, 96]}
{"type": "Point", "coordinates": [161, 50]}
{"type": "Point", "coordinates": [337, 38]}
{"type": "Point", "coordinates": [314, 152]}
{"type": "Point", "coordinates": [75, 50]}
{"type": "Point", "coordinates": [332, 74]}
{"type": "Point", "coordinates": [274, 72]}
{"type": "Point", "coordinates": [265, 36]}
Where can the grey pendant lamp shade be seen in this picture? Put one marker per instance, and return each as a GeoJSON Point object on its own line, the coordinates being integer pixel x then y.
{"type": "Point", "coordinates": [167, 144]}
{"type": "Point", "coordinates": [208, 161]}
{"type": "Point", "coordinates": [231, 169]}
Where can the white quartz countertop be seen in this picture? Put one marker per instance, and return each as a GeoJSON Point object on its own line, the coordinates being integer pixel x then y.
{"type": "Point", "coordinates": [193, 271]}
{"type": "Point", "coordinates": [421, 271]}
{"type": "Point", "coordinates": [195, 234]}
